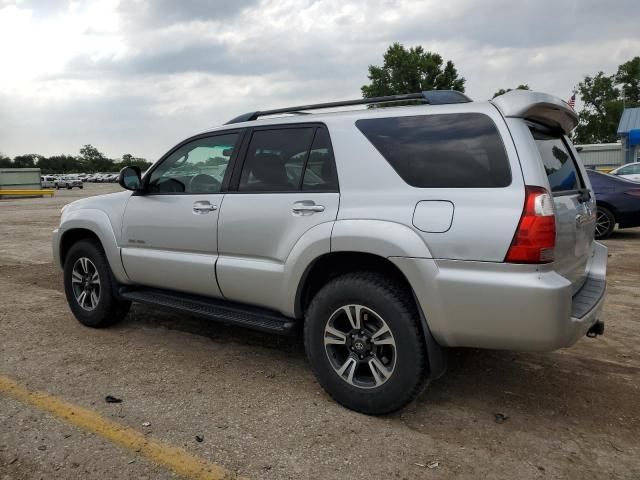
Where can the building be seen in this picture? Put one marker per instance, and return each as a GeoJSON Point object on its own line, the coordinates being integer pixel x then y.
{"type": "Point", "coordinates": [629, 133]}
{"type": "Point", "coordinates": [19, 179]}
{"type": "Point", "coordinates": [605, 156]}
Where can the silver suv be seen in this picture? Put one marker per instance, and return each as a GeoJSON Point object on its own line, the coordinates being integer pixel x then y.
{"type": "Point", "coordinates": [386, 234]}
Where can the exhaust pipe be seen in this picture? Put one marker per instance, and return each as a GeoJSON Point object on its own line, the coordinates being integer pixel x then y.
{"type": "Point", "coordinates": [596, 329]}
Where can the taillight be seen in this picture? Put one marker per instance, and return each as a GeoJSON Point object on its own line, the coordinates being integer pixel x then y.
{"type": "Point", "coordinates": [535, 237]}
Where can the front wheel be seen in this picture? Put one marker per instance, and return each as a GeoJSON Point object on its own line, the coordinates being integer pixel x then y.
{"type": "Point", "coordinates": [88, 286]}
{"type": "Point", "coordinates": [605, 223]}
{"type": "Point", "coordinates": [364, 343]}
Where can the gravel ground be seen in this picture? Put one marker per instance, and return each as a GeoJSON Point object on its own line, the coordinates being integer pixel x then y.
{"type": "Point", "coordinates": [573, 413]}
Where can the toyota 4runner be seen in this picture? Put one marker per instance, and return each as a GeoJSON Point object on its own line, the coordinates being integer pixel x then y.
{"type": "Point", "coordinates": [385, 234]}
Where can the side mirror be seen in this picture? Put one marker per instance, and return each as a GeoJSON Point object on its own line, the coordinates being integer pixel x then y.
{"type": "Point", "coordinates": [129, 178]}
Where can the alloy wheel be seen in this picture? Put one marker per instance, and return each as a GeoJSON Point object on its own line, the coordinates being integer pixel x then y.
{"type": "Point", "coordinates": [603, 223]}
{"type": "Point", "coordinates": [85, 282]}
{"type": "Point", "coordinates": [360, 346]}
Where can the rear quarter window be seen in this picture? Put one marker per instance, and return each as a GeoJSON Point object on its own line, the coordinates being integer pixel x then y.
{"type": "Point", "coordinates": [460, 150]}
{"type": "Point", "coordinates": [558, 162]}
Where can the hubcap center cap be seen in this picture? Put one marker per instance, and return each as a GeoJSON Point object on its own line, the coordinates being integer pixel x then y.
{"type": "Point", "coordinates": [360, 344]}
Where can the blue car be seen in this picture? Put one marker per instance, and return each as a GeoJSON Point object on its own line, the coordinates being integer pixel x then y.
{"type": "Point", "coordinates": [618, 201]}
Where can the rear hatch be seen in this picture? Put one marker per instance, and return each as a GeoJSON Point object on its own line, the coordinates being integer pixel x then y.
{"type": "Point", "coordinates": [574, 203]}
{"type": "Point", "coordinates": [543, 120]}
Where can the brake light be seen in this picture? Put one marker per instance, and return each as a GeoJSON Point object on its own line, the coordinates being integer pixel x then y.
{"type": "Point", "coordinates": [535, 237]}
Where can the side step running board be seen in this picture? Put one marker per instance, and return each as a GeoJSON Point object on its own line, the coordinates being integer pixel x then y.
{"type": "Point", "coordinates": [219, 310]}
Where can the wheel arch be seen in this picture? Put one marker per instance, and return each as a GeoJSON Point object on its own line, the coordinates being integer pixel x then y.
{"type": "Point", "coordinates": [73, 236]}
{"type": "Point", "coordinates": [331, 265]}
{"type": "Point", "coordinates": [609, 207]}
{"type": "Point", "coordinates": [94, 224]}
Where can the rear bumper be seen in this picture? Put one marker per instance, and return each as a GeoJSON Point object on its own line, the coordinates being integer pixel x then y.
{"type": "Point", "coordinates": [504, 306]}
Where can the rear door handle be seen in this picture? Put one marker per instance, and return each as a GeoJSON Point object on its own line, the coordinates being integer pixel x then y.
{"type": "Point", "coordinates": [306, 207]}
{"type": "Point", "coordinates": [200, 208]}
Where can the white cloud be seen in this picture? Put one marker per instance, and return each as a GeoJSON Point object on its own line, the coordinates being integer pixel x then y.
{"type": "Point", "coordinates": [136, 76]}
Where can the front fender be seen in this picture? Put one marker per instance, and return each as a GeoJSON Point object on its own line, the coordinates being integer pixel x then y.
{"type": "Point", "coordinates": [97, 222]}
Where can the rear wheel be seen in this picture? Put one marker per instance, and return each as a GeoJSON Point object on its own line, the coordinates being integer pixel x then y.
{"type": "Point", "coordinates": [89, 287]}
{"type": "Point", "coordinates": [605, 223]}
{"type": "Point", "coordinates": [364, 343]}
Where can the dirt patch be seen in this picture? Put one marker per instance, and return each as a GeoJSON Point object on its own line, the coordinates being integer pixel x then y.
{"type": "Point", "coordinates": [571, 414]}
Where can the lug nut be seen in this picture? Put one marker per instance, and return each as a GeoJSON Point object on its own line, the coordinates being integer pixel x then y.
{"type": "Point", "coordinates": [361, 357]}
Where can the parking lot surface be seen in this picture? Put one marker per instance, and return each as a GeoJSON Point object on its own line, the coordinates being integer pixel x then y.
{"type": "Point", "coordinates": [257, 410]}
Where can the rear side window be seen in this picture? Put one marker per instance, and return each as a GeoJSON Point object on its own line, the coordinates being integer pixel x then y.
{"type": "Point", "coordinates": [461, 150]}
{"type": "Point", "coordinates": [289, 160]}
{"type": "Point", "coordinates": [558, 162]}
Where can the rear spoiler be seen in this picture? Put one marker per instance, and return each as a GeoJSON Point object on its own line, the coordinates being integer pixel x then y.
{"type": "Point", "coordinates": [538, 107]}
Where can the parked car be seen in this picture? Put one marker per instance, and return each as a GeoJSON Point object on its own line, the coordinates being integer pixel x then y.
{"type": "Point", "coordinates": [618, 202]}
{"type": "Point", "coordinates": [47, 181]}
{"type": "Point", "coordinates": [68, 183]}
{"type": "Point", "coordinates": [630, 171]}
{"type": "Point", "coordinates": [385, 234]}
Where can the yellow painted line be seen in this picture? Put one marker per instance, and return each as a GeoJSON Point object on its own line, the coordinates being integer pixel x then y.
{"type": "Point", "coordinates": [26, 192]}
{"type": "Point", "coordinates": [174, 458]}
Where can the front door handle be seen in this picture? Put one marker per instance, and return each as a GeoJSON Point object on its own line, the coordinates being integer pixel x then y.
{"type": "Point", "coordinates": [306, 207]}
{"type": "Point", "coordinates": [200, 208]}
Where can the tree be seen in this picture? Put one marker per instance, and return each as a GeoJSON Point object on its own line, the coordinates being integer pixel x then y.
{"type": "Point", "coordinates": [129, 160]}
{"type": "Point", "coordinates": [93, 160]}
{"type": "Point", "coordinates": [628, 77]}
{"type": "Point", "coordinates": [502, 91]}
{"type": "Point", "coordinates": [602, 108]}
{"type": "Point", "coordinates": [410, 71]}
{"type": "Point", "coordinates": [26, 161]}
{"type": "Point", "coordinates": [60, 164]}
{"type": "Point", "coordinates": [5, 162]}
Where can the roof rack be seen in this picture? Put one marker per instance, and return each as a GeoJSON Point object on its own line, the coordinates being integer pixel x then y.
{"type": "Point", "coordinates": [431, 97]}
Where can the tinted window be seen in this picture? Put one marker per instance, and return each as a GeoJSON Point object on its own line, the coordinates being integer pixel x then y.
{"type": "Point", "coordinates": [441, 151]}
{"type": "Point", "coordinates": [197, 167]}
{"type": "Point", "coordinates": [289, 160]}
{"type": "Point", "coordinates": [630, 170]}
{"type": "Point", "coordinates": [558, 163]}
{"type": "Point", "coordinates": [320, 173]}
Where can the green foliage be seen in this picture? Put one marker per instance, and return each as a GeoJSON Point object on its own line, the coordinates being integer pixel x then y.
{"type": "Point", "coordinates": [129, 160]}
{"type": "Point", "coordinates": [628, 77]}
{"type": "Point", "coordinates": [5, 162]}
{"type": "Point", "coordinates": [409, 71]}
{"type": "Point", "coordinates": [502, 91]}
{"type": "Point", "coordinates": [604, 98]}
{"type": "Point", "coordinates": [94, 161]}
{"type": "Point", "coordinates": [26, 161]}
{"type": "Point", "coordinates": [60, 164]}
{"type": "Point", "coordinates": [600, 115]}
{"type": "Point", "coordinates": [91, 160]}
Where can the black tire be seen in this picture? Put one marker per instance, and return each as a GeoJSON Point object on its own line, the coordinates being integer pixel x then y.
{"type": "Point", "coordinates": [69, 187]}
{"type": "Point", "coordinates": [605, 223]}
{"type": "Point", "coordinates": [109, 309]}
{"type": "Point", "coordinates": [81, 187]}
{"type": "Point", "coordinates": [395, 305]}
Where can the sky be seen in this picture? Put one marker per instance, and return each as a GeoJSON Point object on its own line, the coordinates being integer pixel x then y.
{"type": "Point", "coordinates": [138, 76]}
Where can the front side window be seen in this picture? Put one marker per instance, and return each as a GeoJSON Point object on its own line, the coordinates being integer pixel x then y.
{"type": "Point", "coordinates": [197, 167]}
{"type": "Point", "coordinates": [289, 160]}
{"type": "Point", "coordinates": [459, 150]}
{"type": "Point", "coordinates": [558, 162]}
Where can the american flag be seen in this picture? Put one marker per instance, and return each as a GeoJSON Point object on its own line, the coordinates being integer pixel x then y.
{"type": "Point", "coordinates": [572, 101]}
